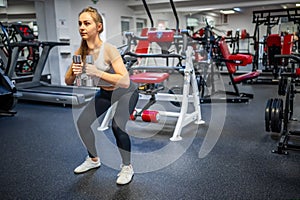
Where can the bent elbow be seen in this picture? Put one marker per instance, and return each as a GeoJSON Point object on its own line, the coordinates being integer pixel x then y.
{"type": "Point", "coordinates": [125, 84]}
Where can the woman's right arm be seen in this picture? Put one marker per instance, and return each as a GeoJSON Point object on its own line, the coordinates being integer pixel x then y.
{"type": "Point", "coordinates": [70, 76]}
{"type": "Point", "coordinates": [73, 71]}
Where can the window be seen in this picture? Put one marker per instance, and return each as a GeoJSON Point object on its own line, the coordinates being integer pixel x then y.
{"type": "Point", "coordinates": [140, 24]}
{"type": "Point", "coordinates": [125, 27]}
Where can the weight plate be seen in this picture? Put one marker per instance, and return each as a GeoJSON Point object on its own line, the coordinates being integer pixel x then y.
{"type": "Point", "coordinates": [268, 114]}
{"type": "Point", "coordinates": [276, 115]}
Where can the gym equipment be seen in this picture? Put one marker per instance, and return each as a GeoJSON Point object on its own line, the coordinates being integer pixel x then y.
{"type": "Point", "coordinates": [28, 55]}
{"type": "Point", "coordinates": [232, 61]}
{"type": "Point", "coordinates": [279, 113]}
{"type": "Point", "coordinates": [34, 86]}
{"type": "Point", "coordinates": [214, 54]}
{"type": "Point", "coordinates": [203, 42]}
{"type": "Point", "coordinates": [275, 46]}
{"type": "Point", "coordinates": [5, 50]}
{"type": "Point", "coordinates": [35, 89]}
{"type": "Point", "coordinates": [272, 42]}
{"type": "Point", "coordinates": [150, 81]}
{"type": "Point", "coordinates": [243, 36]}
{"type": "Point", "coordinates": [274, 115]}
{"type": "Point", "coordinates": [8, 95]}
{"type": "Point", "coordinates": [235, 41]}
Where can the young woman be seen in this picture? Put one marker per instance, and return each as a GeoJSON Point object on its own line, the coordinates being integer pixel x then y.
{"type": "Point", "coordinates": [108, 67]}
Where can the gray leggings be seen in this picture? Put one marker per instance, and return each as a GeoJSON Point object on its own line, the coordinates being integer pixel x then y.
{"type": "Point", "coordinates": [127, 100]}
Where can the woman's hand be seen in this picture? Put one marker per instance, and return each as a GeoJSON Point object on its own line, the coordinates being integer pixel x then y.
{"type": "Point", "coordinates": [77, 68]}
{"type": "Point", "coordinates": [91, 70]}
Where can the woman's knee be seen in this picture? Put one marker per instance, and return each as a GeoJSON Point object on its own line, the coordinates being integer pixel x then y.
{"type": "Point", "coordinates": [120, 133]}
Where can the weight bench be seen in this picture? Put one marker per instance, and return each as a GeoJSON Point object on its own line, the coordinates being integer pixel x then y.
{"type": "Point", "coordinates": [232, 61]}
{"type": "Point", "coordinates": [150, 84]}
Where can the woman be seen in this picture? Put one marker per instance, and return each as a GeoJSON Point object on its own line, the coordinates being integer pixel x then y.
{"type": "Point", "coordinates": [108, 67]}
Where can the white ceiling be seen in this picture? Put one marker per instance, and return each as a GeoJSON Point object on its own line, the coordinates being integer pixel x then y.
{"type": "Point", "coordinates": [194, 6]}
{"type": "Point", "coordinates": [189, 6]}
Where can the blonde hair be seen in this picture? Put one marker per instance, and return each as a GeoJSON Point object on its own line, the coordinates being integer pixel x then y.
{"type": "Point", "coordinates": [83, 49]}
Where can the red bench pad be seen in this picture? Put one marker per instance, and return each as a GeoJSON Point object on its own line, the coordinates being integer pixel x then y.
{"type": "Point", "coordinates": [247, 76]}
{"type": "Point", "coordinates": [149, 77]}
{"type": "Point", "coordinates": [243, 59]}
{"type": "Point", "coordinates": [298, 71]}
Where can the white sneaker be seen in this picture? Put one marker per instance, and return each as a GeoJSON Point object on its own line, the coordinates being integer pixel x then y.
{"type": "Point", "coordinates": [87, 165]}
{"type": "Point", "coordinates": [125, 175]}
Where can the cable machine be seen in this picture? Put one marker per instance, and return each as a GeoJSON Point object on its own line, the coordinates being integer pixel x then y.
{"type": "Point", "coordinates": [271, 42]}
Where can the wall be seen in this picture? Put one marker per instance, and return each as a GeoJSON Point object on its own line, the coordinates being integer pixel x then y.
{"type": "Point", "coordinates": [58, 21]}
{"type": "Point", "coordinates": [17, 10]}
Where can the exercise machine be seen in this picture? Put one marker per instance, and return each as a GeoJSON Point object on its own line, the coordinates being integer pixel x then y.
{"type": "Point", "coordinates": [279, 112]}
{"type": "Point", "coordinates": [150, 81]}
{"type": "Point", "coordinates": [8, 95]}
{"type": "Point", "coordinates": [35, 89]}
{"type": "Point", "coordinates": [34, 86]}
{"type": "Point", "coordinates": [148, 86]}
{"type": "Point", "coordinates": [272, 42]}
{"type": "Point", "coordinates": [29, 55]}
{"type": "Point", "coordinates": [232, 61]}
{"type": "Point", "coordinates": [211, 55]}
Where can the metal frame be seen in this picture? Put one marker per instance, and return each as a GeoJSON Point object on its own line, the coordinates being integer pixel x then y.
{"type": "Point", "coordinates": [184, 117]}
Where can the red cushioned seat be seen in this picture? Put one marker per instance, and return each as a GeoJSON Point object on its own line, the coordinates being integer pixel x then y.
{"type": "Point", "coordinates": [247, 76]}
{"type": "Point", "coordinates": [298, 71]}
{"type": "Point", "coordinates": [273, 40]}
{"type": "Point", "coordinates": [244, 58]}
{"type": "Point", "coordinates": [149, 77]}
{"type": "Point", "coordinates": [287, 45]}
{"type": "Point", "coordinates": [233, 60]}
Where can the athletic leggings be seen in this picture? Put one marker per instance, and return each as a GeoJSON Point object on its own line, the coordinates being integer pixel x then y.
{"type": "Point", "coordinates": [127, 100]}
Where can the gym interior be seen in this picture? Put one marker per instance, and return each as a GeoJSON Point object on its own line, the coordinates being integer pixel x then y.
{"type": "Point", "coordinates": [212, 78]}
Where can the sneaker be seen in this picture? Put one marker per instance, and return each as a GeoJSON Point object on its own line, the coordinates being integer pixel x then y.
{"type": "Point", "coordinates": [87, 165]}
{"type": "Point", "coordinates": [125, 175]}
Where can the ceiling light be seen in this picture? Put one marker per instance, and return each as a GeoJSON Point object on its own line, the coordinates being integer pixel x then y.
{"type": "Point", "coordinates": [297, 4]}
{"type": "Point", "coordinates": [226, 12]}
{"type": "Point", "coordinates": [237, 9]}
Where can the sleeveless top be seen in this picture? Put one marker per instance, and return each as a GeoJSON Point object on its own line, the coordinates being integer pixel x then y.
{"type": "Point", "coordinates": [107, 54]}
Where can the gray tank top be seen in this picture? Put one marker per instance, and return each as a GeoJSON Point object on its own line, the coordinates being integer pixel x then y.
{"type": "Point", "coordinates": [103, 66]}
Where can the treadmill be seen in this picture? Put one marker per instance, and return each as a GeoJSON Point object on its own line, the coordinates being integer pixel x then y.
{"type": "Point", "coordinates": [33, 88]}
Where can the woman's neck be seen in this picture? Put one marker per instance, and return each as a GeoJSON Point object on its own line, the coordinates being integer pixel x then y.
{"type": "Point", "coordinates": [95, 44]}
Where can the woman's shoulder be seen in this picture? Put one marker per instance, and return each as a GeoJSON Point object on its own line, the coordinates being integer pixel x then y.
{"type": "Point", "coordinates": [111, 51]}
{"type": "Point", "coordinates": [109, 45]}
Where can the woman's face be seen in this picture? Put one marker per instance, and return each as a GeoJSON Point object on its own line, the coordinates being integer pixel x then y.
{"type": "Point", "coordinates": [87, 26]}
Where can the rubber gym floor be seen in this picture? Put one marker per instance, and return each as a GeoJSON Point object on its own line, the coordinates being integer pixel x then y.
{"type": "Point", "coordinates": [40, 148]}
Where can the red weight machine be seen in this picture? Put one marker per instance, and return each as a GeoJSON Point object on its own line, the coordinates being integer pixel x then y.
{"type": "Point", "coordinates": [277, 45]}
{"type": "Point", "coordinates": [232, 61]}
